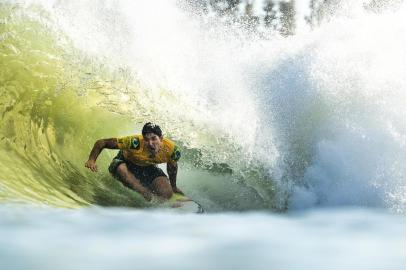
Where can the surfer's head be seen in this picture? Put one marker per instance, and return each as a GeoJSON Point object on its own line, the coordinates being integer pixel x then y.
{"type": "Point", "coordinates": [152, 134]}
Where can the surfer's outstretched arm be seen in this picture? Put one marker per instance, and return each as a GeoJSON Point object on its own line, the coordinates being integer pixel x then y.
{"type": "Point", "coordinates": [96, 150]}
{"type": "Point", "coordinates": [172, 169]}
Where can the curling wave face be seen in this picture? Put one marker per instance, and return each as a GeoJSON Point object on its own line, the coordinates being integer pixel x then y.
{"type": "Point", "coordinates": [56, 100]}
{"type": "Point", "coordinates": [314, 119]}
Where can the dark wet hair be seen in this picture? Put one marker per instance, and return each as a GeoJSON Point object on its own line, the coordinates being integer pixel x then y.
{"type": "Point", "coordinates": [151, 128]}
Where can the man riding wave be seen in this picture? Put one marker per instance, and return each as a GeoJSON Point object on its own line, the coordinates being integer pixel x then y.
{"type": "Point", "coordinates": [136, 163]}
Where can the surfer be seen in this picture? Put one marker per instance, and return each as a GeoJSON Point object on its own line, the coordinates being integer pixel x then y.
{"type": "Point", "coordinates": [136, 163]}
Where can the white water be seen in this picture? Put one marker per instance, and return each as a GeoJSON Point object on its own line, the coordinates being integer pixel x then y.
{"type": "Point", "coordinates": [94, 238]}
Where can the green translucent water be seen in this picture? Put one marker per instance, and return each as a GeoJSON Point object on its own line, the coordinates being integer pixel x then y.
{"type": "Point", "coordinates": [56, 101]}
{"type": "Point", "coordinates": [51, 114]}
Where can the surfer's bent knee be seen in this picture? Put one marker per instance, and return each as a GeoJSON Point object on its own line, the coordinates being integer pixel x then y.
{"type": "Point", "coordinates": [167, 193]}
{"type": "Point", "coordinates": [162, 187]}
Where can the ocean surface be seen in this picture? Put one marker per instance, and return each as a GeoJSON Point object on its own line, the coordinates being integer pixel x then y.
{"type": "Point", "coordinates": [294, 146]}
{"type": "Point", "coordinates": [119, 238]}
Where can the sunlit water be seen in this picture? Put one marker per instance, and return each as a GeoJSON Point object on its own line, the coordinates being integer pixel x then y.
{"type": "Point", "coordinates": [311, 126]}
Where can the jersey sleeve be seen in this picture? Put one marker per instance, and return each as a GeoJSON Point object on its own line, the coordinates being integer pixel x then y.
{"type": "Point", "coordinates": [128, 142]}
{"type": "Point", "coordinates": [175, 154]}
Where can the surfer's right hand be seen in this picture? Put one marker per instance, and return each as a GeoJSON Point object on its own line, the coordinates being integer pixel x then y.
{"type": "Point", "coordinates": [91, 164]}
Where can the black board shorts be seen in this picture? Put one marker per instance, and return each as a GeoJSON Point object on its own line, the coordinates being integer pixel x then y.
{"type": "Point", "coordinates": [146, 174]}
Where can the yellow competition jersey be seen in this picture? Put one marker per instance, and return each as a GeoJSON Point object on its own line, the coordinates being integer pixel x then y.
{"type": "Point", "coordinates": [135, 151]}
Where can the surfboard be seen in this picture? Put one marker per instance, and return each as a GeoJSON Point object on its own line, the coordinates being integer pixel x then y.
{"type": "Point", "coordinates": [182, 203]}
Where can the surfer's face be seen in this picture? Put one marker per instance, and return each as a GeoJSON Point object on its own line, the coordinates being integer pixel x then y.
{"type": "Point", "coordinates": [153, 143]}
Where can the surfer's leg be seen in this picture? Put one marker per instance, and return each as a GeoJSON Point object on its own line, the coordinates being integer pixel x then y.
{"type": "Point", "coordinates": [160, 185]}
{"type": "Point", "coordinates": [129, 180]}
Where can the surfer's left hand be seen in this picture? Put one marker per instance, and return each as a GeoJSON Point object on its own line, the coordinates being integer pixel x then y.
{"type": "Point", "coordinates": [91, 164]}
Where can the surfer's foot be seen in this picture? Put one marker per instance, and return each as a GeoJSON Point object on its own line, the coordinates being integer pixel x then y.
{"type": "Point", "coordinates": [147, 196]}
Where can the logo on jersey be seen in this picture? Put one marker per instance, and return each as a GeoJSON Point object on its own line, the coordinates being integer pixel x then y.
{"type": "Point", "coordinates": [176, 154]}
{"type": "Point", "coordinates": [135, 143]}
